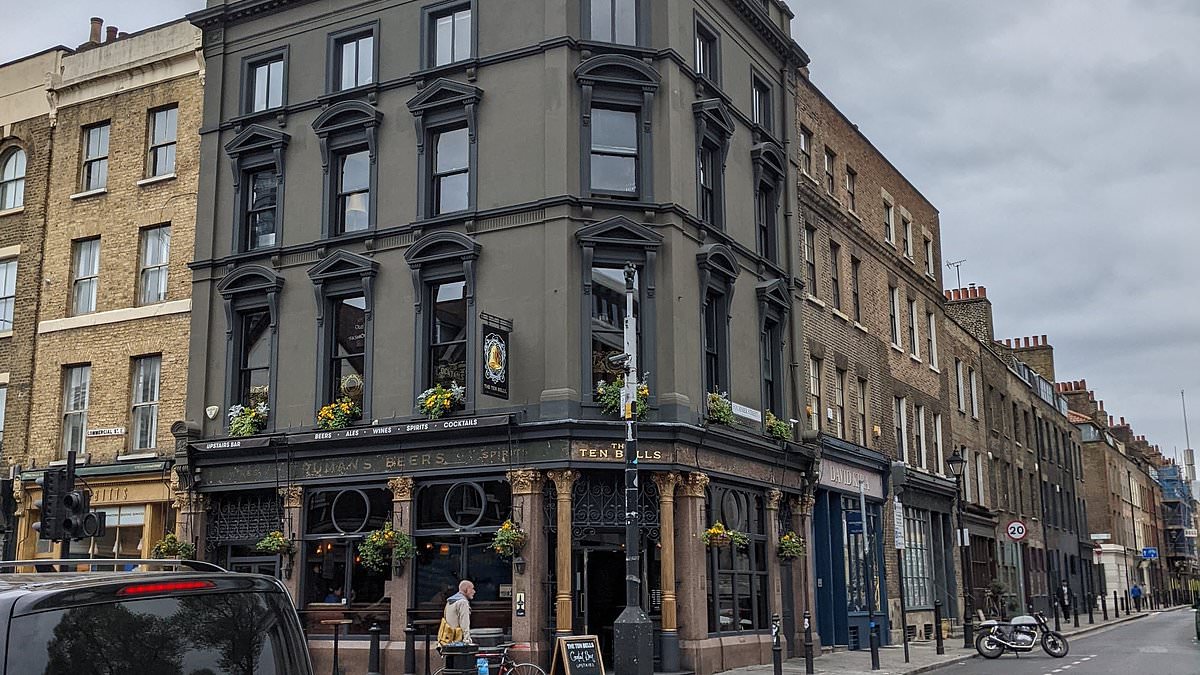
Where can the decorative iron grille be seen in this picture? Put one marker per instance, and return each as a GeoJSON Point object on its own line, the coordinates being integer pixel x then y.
{"type": "Point", "coordinates": [598, 501]}
{"type": "Point", "coordinates": [242, 518]}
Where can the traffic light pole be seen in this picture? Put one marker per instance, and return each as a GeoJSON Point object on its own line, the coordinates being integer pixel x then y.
{"type": "Point", "coordinates": [64, 552]}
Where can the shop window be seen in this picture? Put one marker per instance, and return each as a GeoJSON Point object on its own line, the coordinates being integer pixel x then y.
{"type": "Point", "coordinates": [738, 577]}
{"type": "Point", "coordinates": [917, 572]}
{"type": "Point", "coordinates": [123, 533]}
{"type": "Point", "coordinates": [336, 521]}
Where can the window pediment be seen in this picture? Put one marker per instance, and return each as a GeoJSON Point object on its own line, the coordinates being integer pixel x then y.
{"type": "Point", "coordinates": [342, 264]}
{"type": "Point", "coordinates": [443, 93]}
{"type": "Point", "coordinates": [442, 247]}
{"type": "Point", "coordinates": [617, 70]}
{"type": "Point", "coordinates": [619, 232]}
{"type": "Point", "coordinates": [713, 116]}
{"type": "Point", "coordinates": [249, 279]}
{"type": "Point", "coordinates": [769, 162]}
{"type": "Point", "coordinates": [773, 295]}
{"type": "Point", "coordinates": [256, 138]}
{"type": "Point", "coordinates": [347, 116]}
{"type": "Point", "coordinates": [719, 259]}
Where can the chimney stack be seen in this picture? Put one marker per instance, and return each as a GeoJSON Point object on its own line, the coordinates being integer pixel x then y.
{"type": "Point", "coordinates": [96, 29]}
{"type": "Point", "coordinates": [110, 34]}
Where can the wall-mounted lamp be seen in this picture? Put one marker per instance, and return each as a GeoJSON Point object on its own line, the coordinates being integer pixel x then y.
{"type": "Point", "coordinates": [519, 565]}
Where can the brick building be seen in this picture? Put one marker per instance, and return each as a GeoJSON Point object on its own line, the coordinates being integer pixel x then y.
{"type": "Point", "coordinates": [874, 369]}
{"type": "Point", "coordinates": [112, 325]}
{"type": "Point", "coordinates": [24, 167]}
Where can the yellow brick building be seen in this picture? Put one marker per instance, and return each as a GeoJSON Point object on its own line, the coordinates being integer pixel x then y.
{"type": "Point", "coordinates": [112, 326]}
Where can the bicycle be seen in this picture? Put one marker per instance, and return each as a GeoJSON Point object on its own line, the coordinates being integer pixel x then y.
{"type": "Point", "coordinates": [507, 665]}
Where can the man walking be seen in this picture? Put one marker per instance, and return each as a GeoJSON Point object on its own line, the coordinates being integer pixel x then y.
{"type": "Point", "coordinates": [1136, 594]}
{"type": "Point", "coordinates": [457, 615]}
{"type": "Point", "coordinates": [1064, 598]}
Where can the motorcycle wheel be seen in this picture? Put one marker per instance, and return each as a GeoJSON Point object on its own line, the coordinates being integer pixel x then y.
{"type": "Point", "coordinates": [1055, 644]}
{"type": "Point", "coordinates": [988, 647]}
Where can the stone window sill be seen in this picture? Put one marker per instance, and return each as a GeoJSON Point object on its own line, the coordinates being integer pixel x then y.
{"type": "Point", "coordinates": [90, 193]}
{"type": "Point", "coordinates": [838, 313]}
{"type": "Point", "coordinates": [12, 212]}
{"type": "Point", "coordinates": [5, 334]}
{"type": "Point", "coordinates": [156, 179]}
{"type": "Point", "coordinates": [814, 300]}
{"type": "Point", "coordinates": [897, 348]}
{"type": "Point", "coordinates": [915, 359]}
{"type": "Point", "coordinates": [861, 327]}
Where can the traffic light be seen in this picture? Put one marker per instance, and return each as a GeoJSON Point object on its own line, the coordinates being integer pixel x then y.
{"type": "Point", "coordinates": [54, 488]}
{"type": "Point", "coordinates": [79, 521]}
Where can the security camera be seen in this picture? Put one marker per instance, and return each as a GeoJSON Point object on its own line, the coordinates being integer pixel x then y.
{"type": "Point", "coordinates": [618, 360]}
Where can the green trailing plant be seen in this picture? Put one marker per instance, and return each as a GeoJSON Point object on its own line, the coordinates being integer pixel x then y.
{"type": "Point", "coordinates": [720, 409]}
{"type": "Point", "coordinates": [609, 396]}
{"type": "Point", "coordinates": [380, 547]}
{"type": "Point", "coordinates": [718, 535]}
{"type": "Point", "coordinates": [777, 428]}
{"type": "Point", "coordinates": [171, 546]}
{"type": "Point", "coordinates": [275, 542]}
{"type": "Point", "coordinates": [248, 420]}
{"type": "Point", "coordinates": [790, 546]}
{"type": "Point", "coordinates": [509, 540]}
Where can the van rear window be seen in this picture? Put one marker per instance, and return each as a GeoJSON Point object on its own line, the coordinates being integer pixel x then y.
{"type": "Point", "coordinates": [195, 634]}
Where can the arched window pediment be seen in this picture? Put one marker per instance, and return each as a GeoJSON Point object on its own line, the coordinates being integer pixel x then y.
{"type": "Point", "coordinates": [769, 162]}
{"type": "Point", "coordinates": [347, 115]}
{"type": "Point", "coordinates": [249, 279]}
{"type": "Point", "coordinates": [442, 246]}
{"type": "Point", "coordinates": [718, 259]}
{"type": "Point", "coordinates": [617, 70]}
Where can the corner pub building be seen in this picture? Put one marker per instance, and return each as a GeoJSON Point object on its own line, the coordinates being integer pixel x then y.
{"type": "Point", "coordinates": [398, 195]}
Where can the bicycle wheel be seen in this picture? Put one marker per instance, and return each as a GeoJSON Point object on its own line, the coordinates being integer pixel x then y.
{"type": "Point", "coordinates": [526, 669]}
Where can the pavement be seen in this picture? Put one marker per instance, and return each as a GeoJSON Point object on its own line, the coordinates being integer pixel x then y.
{"type": "Point", "coordinates": [923, 657]}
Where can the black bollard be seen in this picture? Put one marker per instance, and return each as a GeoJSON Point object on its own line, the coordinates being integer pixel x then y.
{"type": "Point", "coordinates": [1125, 602]}
{"type": "Point", "coordinates": [1116, 606]}
{"type": "Point", "coordinates": [337, 669]}
{"type": "Point", "coordinates": [808, 643]}
{"type": "Point", "coordinates": [1104, 607]}
{"type": "Point", "coordinates": [873, 631]}
{"type": "Point", "coordinates": [1075, 609]}
{"type": "Point", "coordinates": [1054, 604]}
{"type": "Point", "coordinates": [410, 650]}
{"type": "Point", "coordinates": [776, 649]}
{"type": "Point", "coordinates": [373, 655]}
{"type": "Point", "coordinates": [937, 627]}
{"type": "Point", "coordinates": [1091, 608]}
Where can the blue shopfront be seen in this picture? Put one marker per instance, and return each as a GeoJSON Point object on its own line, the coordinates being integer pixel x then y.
{"type": "Point", "coordinates": [841, 545]}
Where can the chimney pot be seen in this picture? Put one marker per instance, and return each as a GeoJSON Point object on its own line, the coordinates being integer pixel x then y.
{"type": "Point", "coordinates": [122, 35]}
{"type": "Point", "coordinates": [1110, 419]}
{"type": "Point", "coordinates": [983, 291]}
{"type": "Point", "coordinates": [110, 33]}
{"type": "Point", "coordinates": [1045, 342]}
{"type": "Point", "coordinates": [1026, 341]}
{"type": "Point", "coordinates": [96, 29]}
{"type": "Point", "coordinates": [947, 294]}
{"type": "Point", "coordinates": [1122, 420]}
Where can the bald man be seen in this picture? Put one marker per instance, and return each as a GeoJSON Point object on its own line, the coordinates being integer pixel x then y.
{"type": "Point", "coordinates": [458, 609]}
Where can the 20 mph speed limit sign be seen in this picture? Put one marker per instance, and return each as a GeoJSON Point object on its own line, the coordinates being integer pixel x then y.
{"type": "Point", "coordinates": [1016, 530]}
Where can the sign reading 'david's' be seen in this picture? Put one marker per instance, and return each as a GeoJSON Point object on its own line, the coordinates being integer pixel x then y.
{"type": "Point", "coordinates": [495, 361]}
{"type": "Point", "coordinates": [845, 477]}
{"type": "Point", "coordinates": [577, 655]}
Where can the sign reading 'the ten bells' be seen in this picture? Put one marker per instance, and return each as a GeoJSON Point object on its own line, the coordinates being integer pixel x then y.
{"type": "Point", "coordinates": [495, 361]}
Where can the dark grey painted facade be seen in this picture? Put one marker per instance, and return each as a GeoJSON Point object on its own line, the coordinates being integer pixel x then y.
{"type": "Point", "coordinates": [538, 112]}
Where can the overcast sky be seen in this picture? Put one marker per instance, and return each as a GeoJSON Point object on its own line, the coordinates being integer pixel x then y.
{"type": "Point", "coordinates": [1058, 138]}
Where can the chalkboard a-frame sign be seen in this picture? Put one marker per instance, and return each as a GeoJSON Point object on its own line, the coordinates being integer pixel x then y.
{"type": "Point", "coordinates": [577, 655]}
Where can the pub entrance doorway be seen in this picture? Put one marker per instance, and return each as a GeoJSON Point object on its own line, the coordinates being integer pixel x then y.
{"type": "Point", "coordinates": [600, 584]}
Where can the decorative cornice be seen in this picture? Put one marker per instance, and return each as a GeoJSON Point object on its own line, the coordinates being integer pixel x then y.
{"type": "Point", "coordinates": [694, 484]}
{"type": "Point", "coordinates": [293, 496]}
{"type": "Point", "coordinates": [525, 481]}
{"type": "Point", "coordinates": [402, 488]}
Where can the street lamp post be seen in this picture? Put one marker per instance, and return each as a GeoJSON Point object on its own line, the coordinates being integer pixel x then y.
{"type": "Point", "coordinates": [957, 464]}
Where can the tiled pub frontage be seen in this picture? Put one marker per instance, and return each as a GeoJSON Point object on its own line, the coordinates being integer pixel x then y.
{"type": "Point", "coordinates": [450, 484]}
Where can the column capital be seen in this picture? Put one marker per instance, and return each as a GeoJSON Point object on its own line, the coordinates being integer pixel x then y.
{"type": "Point", "coordinates": [803, 504]}
{"type": "Point", "coordinates": [694, 483]}
{"type": "Point", "coordinates": [564, 480]}
{"type": "Point", "coordinates": [402, 488]}
{"type": "Point", "coordinates": [666, 482]}
{"type": "Point", "coordinates": [293, 496]}
{"type": "Point", "coordinates": [773, 498]}
{"type": "Point", "coordinates": [525, 481]}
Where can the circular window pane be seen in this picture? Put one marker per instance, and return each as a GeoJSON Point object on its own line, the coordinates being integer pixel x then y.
{"type": "Point", "coordinates": [733, 510]}
{"type": "Point", "coordinates": [350, 511]}
{"type": "Point", "coordinates": [464, 504]}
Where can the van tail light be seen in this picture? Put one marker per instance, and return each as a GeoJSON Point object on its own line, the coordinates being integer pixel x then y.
{"type": "Point", "coordinates": [165, 587]}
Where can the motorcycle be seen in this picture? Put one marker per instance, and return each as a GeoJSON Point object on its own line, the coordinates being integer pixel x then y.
{"type": "Point", "coordinates": [1019, 635]}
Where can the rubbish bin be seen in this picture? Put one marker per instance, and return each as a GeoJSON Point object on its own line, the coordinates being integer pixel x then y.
{"type": "Point", "coordinates": [459, 658]}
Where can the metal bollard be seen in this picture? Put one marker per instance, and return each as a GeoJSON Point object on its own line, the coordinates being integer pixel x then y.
{"type": "Point", "coordinates": [1091, 608]}
{"type": "Point", "coordinates": [873, 632]}
{"type": "Point", "coordinates": [776, 649]}
{"type": "Point", "coordinates": [337, 669]}
{"type": "Point", "coordinates": [1125, 603]}
{"type": "Point", "coordinates": [1054, 604]}
{"type": "Point", "coordinates": [1075, 610]}
{"type": "Point", "coordinates": [410, 650]}
{"type": "Point", "coordinates": [373, 655]}
{"type": "Point", "coordinates": [937, 627]}
{"type": "Point", "coordinates": [1116, 606]}
{"type": "Point", "coordinates": [1104, 607]}
{"type": "Point", "coordinates": [808, 643]}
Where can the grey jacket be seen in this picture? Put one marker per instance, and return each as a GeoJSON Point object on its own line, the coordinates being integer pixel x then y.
{"type": "Point", "coordinates": [458, 614]}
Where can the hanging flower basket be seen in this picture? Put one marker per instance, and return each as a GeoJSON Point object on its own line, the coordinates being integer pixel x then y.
{"type": "Point", "coordinates": [248, 420]}
{"type": "Point", "coordinates": [171, 546]}
{"type": "Point", "coordinates": [339, 414]}
{"type": "Point", "coordinates": [385, 546]}
{"type": "Point", "coordinates": [440, 400]}
{"type": "Point", "coordinates": [777, 428]}
{"type": "Point", "coordinates": [275, 543]}
{"type": "Point", "coordinates": [718, 535]}
{"type": "Point", "coordinates": [609, 396]}
{"type": "Point", "coordinates": [720, 409]}
{"type": "Point", "coordinates": [509, 540]}
{"type": "Point", "coordinates": [790, 546]}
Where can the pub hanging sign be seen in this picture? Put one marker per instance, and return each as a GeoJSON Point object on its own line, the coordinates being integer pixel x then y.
{"type": "Point", "coordinates": [495, 355]}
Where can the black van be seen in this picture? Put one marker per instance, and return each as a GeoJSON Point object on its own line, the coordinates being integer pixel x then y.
{"type": "Point", "coordinates": [149, 617]}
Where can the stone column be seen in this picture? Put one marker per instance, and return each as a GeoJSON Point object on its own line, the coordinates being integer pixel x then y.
{"type": "Point", "coordinates": [802, 509]}
{"type": "Point", "coordinates": [292, 498]}
{"type": "Point", "coordinates": [527, 597]}
{"type": "Point", "coordinates": [691, 563]}
{"type": "Point", "coordinates": [397, 587]}
{"type": "Point", "coordinates": [564, 480]}
{"type": "Point", "coordinates": [773, 567]}
{"type": "Point", "coordinates": [670, 624]}
{"type": "Point", "coordinates": [191, 521]}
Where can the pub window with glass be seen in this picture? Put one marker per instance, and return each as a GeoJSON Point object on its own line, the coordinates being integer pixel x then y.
{"type": "Point", "coordinates": [738, 576]}
{"type": "Point", "coordinates": [347, 375]}
{"type": "Point", "coordinates": [254, 358]}
{"type": "Point", "coordinates": [447, 333]}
